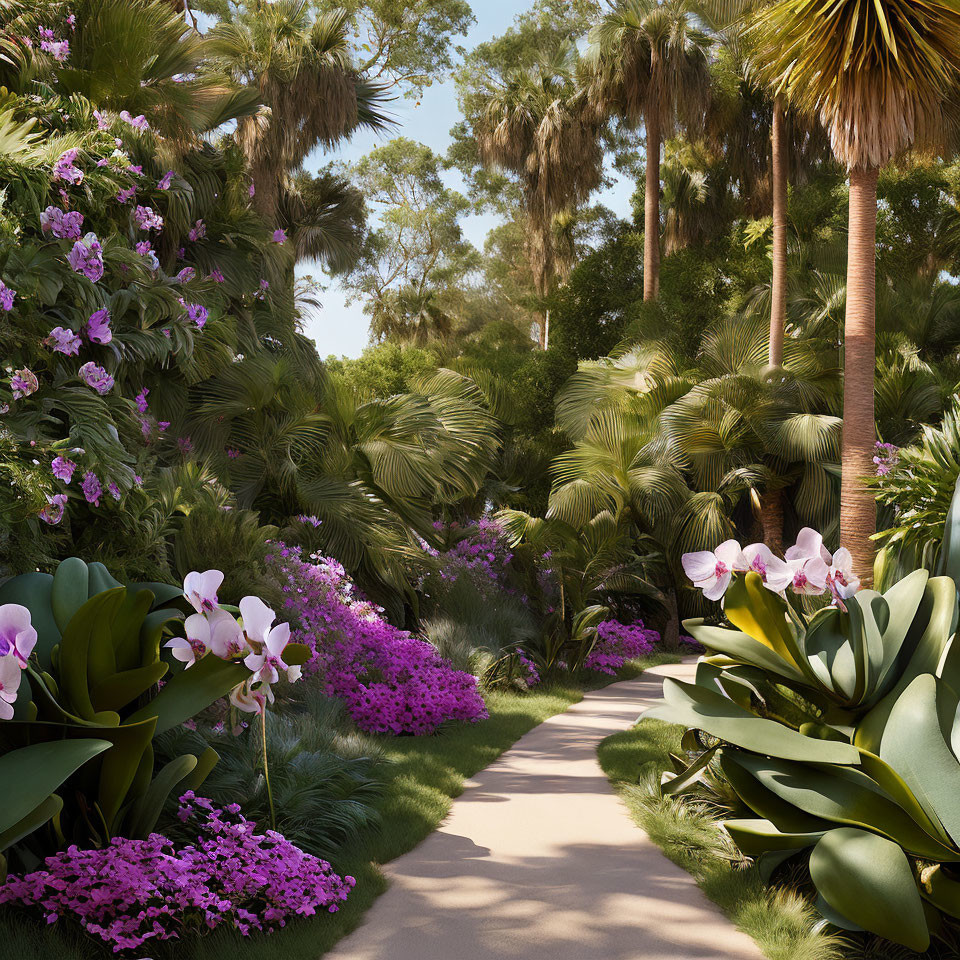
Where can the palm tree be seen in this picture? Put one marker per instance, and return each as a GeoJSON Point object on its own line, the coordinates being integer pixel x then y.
{"type": "Point", "coordinates": [647, 61]}
{"type": "Point", "coordinates": [411, 315]}
{"type": "Point", "coordinates": [880, 77]}
{"type": "Point", "coordinates": [301, 67]}
{"type": "Point", "coordinates": [535, 125]}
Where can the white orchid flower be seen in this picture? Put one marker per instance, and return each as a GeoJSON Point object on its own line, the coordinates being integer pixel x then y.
{"type": "Point", "coordinates": [246, 699]}
{"type": "Point", "coordinates": [841, 580]}
{"type": "Point", "coordinates": [201, 589]}
{"type": "Point", "coordinates": [17, 634]}
{"type": "Point", "coordinates": [268, 642]}
{"type": "Point", "coordinates": [10, 676]}
{"type": "Point", "coordinates": [775, 573]}
{"type": "Point", "coordinates": [712, 570]}
{"type": "Point", "coordinates": [808, 575]}
{"type": "Point", "coordinates": [809, 544]}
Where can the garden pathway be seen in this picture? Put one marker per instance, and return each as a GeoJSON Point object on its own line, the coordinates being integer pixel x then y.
{"type": "Point", "coordinates": [539, 860]}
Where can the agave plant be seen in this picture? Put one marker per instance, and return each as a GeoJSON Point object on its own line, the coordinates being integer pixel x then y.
{"type": "Point", "coordinates": [94, 669]}
{"type": "Point", "coordinates": [838, 733]}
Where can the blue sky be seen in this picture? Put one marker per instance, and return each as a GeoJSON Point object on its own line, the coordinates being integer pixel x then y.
{"type": "Point", "coordinates": [340, 329]}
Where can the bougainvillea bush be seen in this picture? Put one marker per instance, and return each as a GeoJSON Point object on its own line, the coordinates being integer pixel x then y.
{"type": "Point", "coordinates": [617, 643]}
{"type": "Point", "coordinates": [390, 681]}
{"type": "Point", "coordinates": [134, 892]}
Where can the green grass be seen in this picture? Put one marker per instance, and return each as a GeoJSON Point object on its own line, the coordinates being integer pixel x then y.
{"type": "Point", "coordinates": [782, 921]}
{"type": "Point", "coordinates": [423, 776]}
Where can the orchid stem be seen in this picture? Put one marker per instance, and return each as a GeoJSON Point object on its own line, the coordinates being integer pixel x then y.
{"type": "Point", "coordinates": [266, 767]}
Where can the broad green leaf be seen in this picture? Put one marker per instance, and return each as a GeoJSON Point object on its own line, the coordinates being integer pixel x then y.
{"type": "Point", "coordinates": [162, 592]}
{"type": "Point", "coordinates": [100, 579]}
{"type": "Point", "coordinates": [120, 766]}
{"type": "Point", "coordinates": [751, 607]}
{"type": "Point", "coordinates": [756, 837]}
{"type": "Point", "coordinates": [869, 880]}
{"type": "Point", "coordinates": [843, 795]}
{"type": "Point", "coordinates": [942, 891]}
{"type": "Point", "coordinates": [690, 775]}
{"type": "Point", "coordinates": [35, 819]}
{"type": "Point", "coordinates": [37, 770]}
{"type": "Point", "coordinates": [205, 763]}
{"type": "Point", "coordinates": [71, 583]}
{"type": "Point", "coordinates": [688, 704]}
{"type": "Point", "coordinates": [948, 563]}
{"type": "Point", "coordinates": [122, 689]}
{"type": "Point", "coordinates": [913, 745]}
{"type": "Point", "coordinates": [903, 600]}
{"type": "Point", "coordinates": [190, 691]}
{"type": "Point", "coordinates": [740, 646]}
{"type": "Point", "coordinates": [151, 633]}
{"type": "Point", "coordinates": [125, 629]}
{"type": "Point", "coordinates": [147, 808]}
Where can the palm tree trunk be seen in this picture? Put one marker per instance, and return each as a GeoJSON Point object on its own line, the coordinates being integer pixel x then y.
{"type": "Point", "coordinates": [651, 206]}
{"type": "Point", "coordinates": [858, 513]}
{"type": "Point", "coordinates": [778, 288]}
{"type": "Point", "coordinates": [771, 519]}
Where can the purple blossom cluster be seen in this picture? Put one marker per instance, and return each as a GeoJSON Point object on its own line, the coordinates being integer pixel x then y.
{"type": "Point", "coordinates": [135, 891]}
{"type": "Point", "coordinates": [481, 552]}
{"type": "Point", "coordinates": [64, 225]}
{"type": "Point", "coordinates": [618, 643]}
{"type": "Point", "coordinates": [532, 677]}
{"type": "Point", "coordinates": [66, 169]}
{"type": "Point", "coordinates": [390, 681]}
{"type": "Point", "coordinates": [887, 456]}
{"type": "Point", "coordinates": [86, 257]}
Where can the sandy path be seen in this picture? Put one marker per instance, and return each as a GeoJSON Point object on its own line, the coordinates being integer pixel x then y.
{"type": "Point", "coordinates": [539, 860]}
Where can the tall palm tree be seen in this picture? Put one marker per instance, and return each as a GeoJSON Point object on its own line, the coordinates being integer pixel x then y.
{"type": "Point", "coordinates": [301, 66]}
{"type": "Point", "coordinates": [880, 77]}
{"type": "Point", "coordinates": [648, 62]}
{"type": "Point", "coordinates": [535, 125]}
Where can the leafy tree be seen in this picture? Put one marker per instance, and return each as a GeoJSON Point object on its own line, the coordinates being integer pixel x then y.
{"type": "Point", "coordinates": [416, 253]}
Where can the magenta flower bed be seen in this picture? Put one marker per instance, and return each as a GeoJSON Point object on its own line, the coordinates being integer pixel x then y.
{"type": "Point", "coordinates": [617, 643]}
{"type": "Point", "coordinates": [390, 681]}
{"type": "Point", "coordinates": [135, 891]}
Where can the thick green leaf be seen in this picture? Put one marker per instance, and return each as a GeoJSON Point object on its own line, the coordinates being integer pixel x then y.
{"type": "Point", "coordinates": [696, 707]}
{"type": "Point", "coordinates": [146, 810]}
{"type": "Point", "coordinates": [756, 837]}
{"type": "Point", "coordinates": [948, 563]}
{"type": "Point", "coordinates": [100, 579]}
{"type": "Point", "coordinates": [151, 633]}
{"type": "Point", "coordinates": [843, 795]}
{"type": "Point", "coordinates": [36, 818]}
{"type": "Point", "coordinates": [37, 770]}
{"type": "Point", "coordinates": [941, 890]}
{"type": "Point", "coordinates": [869, 880]}
{"type": "Point", "coordinates": [751, 607]}
{"type": "Point", "coordinates": [125, 629]}
{"type": "Point", "coordinates": [71, 583]}
{"type": "Point", "coordinates": [913, 745]}
{"type": "Point", "coordinates": [903, 600]}
{"type": "Point", "coordinates": [742, 647]}
{"type": "Point", "coordinates": [205, 764]}
{"type": "Point", "coordinates": [162, 592]}
{"type": "Point", "coordinates": [120, 766]}
{"type": "Point", "coordinates": [688, 776]}
{"type": "Point", "coordinates": [121, 689]}
{"type": "Point", "coordinates": [190, 691]}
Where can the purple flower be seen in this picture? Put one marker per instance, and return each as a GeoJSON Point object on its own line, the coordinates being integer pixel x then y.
{"type": "Point", "coordinates": [102, 122]}
{"type": "Point", "coordinates": [52, 513]}
{"type": "Point", "coordinates": [162, 425]}
{"type": "Point", "coordinates": [23, 383]}
{"type": "Point", "coordinates": [138, 480]}
{"type": "Point", "coordinates": [58, 49]}
{"type": "Point", "coordinates": [72, 21]}
{"type": "Point", "coordinates": [198, 231]}
{"type": "Point", "coordinates": [135, 169]}
{"type": "Point", "coordinates": [64, 168]}
{"type": "Point", "coordinates": [86, 257]}
{"type": "Point", "coordinates": [264, 287]}
{"type": "Point", "coordinates": [63, 225]}
{"type": "Point", "coordinates": [164, 182]}
{"type": "Point", "coordinates": [141, 400]}
{"type": "Point", "coordinates": [186, 275]}
{"type": "Point", "coordinates": [197, 313]}
{"type": "Point", "coordinates": [98, 327]}
{"type": "Point", "coordinates": [95, 376]}
{"type": "Point", "coordinates": [279, 236]}
{"type": "Point", "coordinates": [138, 123]}
{"type": "Point", "coordinates": [144, 247]}
{"type": "Point", "coordinates": [125, 196]}
{"type": "Point", "coordinates": [251, 190]}
{"type": "Point", "coordinates": [6, 297]}
{"type": "Point", "coordinates": [91, 488]}
{"type": "Point", "coordinates": [185, 445]}
{"type": "Point", "coordinates": [233, 453]}
{"type": "Point", "coordinates": [64, 341]}
{"type": "Point", "coordinates": [62, 469]}
{"type": "Point", "coordinates": [216, 276]}
{"type": "Point", "coordinates": [114, 490]}
{"type": "Point", "coordinates": [147, 219]}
